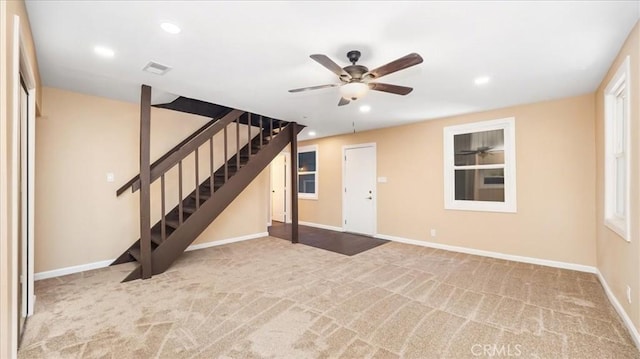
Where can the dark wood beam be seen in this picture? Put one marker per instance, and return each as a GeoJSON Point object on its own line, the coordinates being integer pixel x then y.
{"type": "Point", "coordinates": [145, 181]}
{"type": "Point", "coordinates": [294, 182]}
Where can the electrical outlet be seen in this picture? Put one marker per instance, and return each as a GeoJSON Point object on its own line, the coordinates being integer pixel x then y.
{"type": "Point", "coordinates": [110, 177]}
{"type": "Point", "coordinates": [629, 294]}
{"type": "Point", "coordinates": [433, 232]}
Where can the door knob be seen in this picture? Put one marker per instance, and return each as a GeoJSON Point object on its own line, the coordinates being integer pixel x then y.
{"type": "Point", "coordinates": [369, 197]}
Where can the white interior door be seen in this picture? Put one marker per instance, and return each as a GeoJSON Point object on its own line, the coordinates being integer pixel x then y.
{"type": "Point", "coordinates": [279, 188]}
{"type": "Point", "coordinates": [359, 201]}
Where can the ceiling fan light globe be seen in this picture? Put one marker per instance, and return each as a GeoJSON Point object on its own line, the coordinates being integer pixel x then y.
{"type": "Point", "coordinates": [354, 90]}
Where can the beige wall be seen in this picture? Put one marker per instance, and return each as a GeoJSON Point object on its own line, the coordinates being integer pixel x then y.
{"type": "Point", "coordinates": [79, 139]}
{"type": "Point", "coordinates": [618, 260]}
{"type": "Point", "coordinates": [8, 190]}
{"type": "Point", "coordinates": [555, 184]}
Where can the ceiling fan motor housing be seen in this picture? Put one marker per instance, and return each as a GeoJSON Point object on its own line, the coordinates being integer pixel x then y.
{"type": "Point", "coordinates": [355, 71]}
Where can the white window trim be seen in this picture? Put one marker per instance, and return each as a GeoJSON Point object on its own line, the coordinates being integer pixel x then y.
{"type": "Point", "coordinates": [509, 205]}
{"type": "Point", "coordinates": [621, 82]}
{"type": "Point", "coordinates": [309, 149]}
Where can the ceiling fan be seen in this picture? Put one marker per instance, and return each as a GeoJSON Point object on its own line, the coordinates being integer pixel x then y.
{"type": "Point", "coordinates": [481, 151]}
{"type": "Point", "coordinates": [355, 79]}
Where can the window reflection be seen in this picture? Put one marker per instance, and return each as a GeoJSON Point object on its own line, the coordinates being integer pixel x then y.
{"type": "Point", "coordinates": [479, 148]}
{"type": "Point", "coordinates": [480, 185]}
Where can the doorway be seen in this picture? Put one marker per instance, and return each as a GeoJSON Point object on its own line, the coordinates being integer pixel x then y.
{"type": "Point", "coordinates": [17, 262]}
{"type": "Point", "coordinates": [359, 182]}
{"type": "Point", "coordinates": [23, 210]}
{"type": "Point", "coordinates": [280, 196]}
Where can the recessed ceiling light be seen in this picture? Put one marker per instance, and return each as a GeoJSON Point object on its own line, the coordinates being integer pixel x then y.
{"type": "Point", "coordinates": [312, 133]}
{"type": "Point", "coordinates": [170, 28]}
{"type": "Point", "coordinates": [365, 108]}
{"type": "Point", "coordinates": [103, 51]}
{"type": "Point", "coordinates": [482, 80]}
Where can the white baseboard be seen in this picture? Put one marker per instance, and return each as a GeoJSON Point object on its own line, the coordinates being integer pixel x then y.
{"type": "Point", "coordinates": [479, 252]}
{"type": "Point", "coordinates": [105, 263]}
{"type": "Point", "coordinates": [226, 241]}
{"type": "Point", "coordinates": [73, 269]}
{"type": "Point", "coordinates": [321, 226]}
{"type": "Point", "coordinates": [621, 312]}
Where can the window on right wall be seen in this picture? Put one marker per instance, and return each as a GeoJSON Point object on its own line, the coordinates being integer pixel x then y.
{"type": "Point", "coordinates": [479, 166]}
{"type": "Point", "coordinates": [616, 151]}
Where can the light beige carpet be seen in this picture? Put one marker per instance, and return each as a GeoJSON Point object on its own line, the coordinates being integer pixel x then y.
{"type": "Point", "coordinates": [267, 298]}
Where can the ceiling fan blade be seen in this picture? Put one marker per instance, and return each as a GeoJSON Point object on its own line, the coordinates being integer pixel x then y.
{"type": "Point", "coordinates": [343, 101]}
{"type": "Point", "coordinates": [313, 88]}
{"type": "Point", "coordinates": [329, 64]}
{"type": "Point", "coordinates": [397, 65]}
{"type": "Point", "coordinates": [395, 89]}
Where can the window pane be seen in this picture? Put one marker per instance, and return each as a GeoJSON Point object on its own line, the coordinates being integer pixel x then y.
{"type": "Point", "coordinates": [486, 147]}
{"type": "Point", "coordinates": [479, 185]}
{"type": "Point", "coordinates": [307, 183]}
{"type": "Point", "coordinates": [307, 161]}
{"type": "Point", "coordinates": [621, 184]}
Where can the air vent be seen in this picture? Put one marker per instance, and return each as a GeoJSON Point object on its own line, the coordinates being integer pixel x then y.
{"type": "Point", "coordinates": [156, 68]}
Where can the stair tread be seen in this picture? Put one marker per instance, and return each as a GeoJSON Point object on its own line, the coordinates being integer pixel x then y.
{"type": "Point", "coordinates": [135, 253]}
{"type": "Point", "coordinates": [189, 209]}
{"type": "Point", "coordinates": [204, 195]}
{"type": "Point", "coordinates": [156, 238]}
{"type": "Point", "coordinates": [173, 223]}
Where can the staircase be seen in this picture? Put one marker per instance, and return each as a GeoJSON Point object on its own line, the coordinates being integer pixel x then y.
{"type": "Point", "coordinates": [181, 225]}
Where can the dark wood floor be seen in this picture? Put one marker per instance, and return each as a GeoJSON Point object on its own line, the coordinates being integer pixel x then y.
{"type": "Point", "coordinates": [339, 242]}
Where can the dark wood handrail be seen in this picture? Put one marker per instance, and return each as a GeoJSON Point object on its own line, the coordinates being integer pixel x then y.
{"type": "Point", "coordinates": [126, 186]}
{"type": "Point", "coordinates": [184, 151]}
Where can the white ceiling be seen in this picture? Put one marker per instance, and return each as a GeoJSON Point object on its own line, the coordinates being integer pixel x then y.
{"type": "Point", "coordinates": [248, 54]}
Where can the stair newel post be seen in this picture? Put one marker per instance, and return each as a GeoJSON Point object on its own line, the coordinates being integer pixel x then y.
{"type": "Point", "coordinates": [145, 181]}
{"type": "Point", "coordinates": [238, 144]}
{"type": "Point", "coordinates": [197, 174]}
{"type": "Point", "coordinates": [226, 157]}
{"type": "Point", "coordinates": [294, 182]}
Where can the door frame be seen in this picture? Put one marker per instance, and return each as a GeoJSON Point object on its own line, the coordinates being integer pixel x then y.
{"type": "Point", "coordinates": [287, 190]}
{"type": "Point", "coordinates": [22, 70]}
{"type": "Point", "coordinates": [345, 148]}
